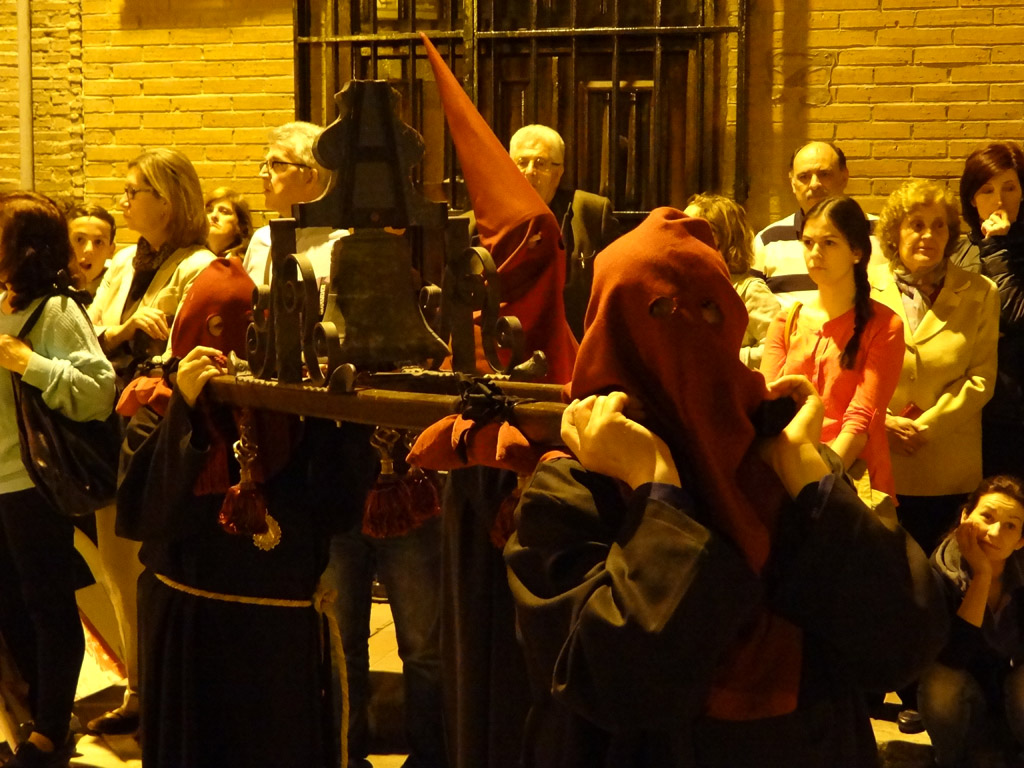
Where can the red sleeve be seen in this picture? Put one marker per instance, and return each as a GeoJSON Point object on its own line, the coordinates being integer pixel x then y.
{"type": "Point", "coordinates": [774, 360]}
{"type": "Point", "coordinates": [883, 347]}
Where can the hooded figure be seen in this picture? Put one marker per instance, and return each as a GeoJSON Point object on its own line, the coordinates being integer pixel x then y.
{"type": "Point", "coordinates": [486, 696]}
{"type": "Point", "coordinates": [514, 224]}
{"type": "Point", "coordinates": [228, 624]}
{"type": "Point", "coordinates": [710, 618]}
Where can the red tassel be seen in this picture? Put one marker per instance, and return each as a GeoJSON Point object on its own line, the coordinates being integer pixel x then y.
{"type": "Point", "coordinates": [426, 502]}
{"type": "Point", "coordinates": [504, 524]}
{"type": "Point", "coordinates": [388, 507]}
{"type": "Point", "coordinates": [397, 504]}
{"type": "Point", "coordinates": [244, 511]}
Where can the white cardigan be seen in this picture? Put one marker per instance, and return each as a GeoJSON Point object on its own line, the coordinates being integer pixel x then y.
{"type": "Point", "coordinates": [168, 287]}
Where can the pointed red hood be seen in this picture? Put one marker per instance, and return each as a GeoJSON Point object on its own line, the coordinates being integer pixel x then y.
{"type": "Point", "coordinates": [514, 224]}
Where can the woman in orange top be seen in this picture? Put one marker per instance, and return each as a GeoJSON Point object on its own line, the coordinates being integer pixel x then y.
{"type": "Point", "coordinates": [847, 344]}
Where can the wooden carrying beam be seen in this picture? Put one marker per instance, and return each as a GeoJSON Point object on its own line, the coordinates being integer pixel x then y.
{"type": "Point", "coordinates": [538, 421]}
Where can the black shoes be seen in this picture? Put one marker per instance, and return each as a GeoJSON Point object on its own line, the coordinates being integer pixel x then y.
{"type": "Point", "coordinates": [909, 721]}
{"type": "Point", "coordinates": [30, 756]}
{"type": "Point", "coordinates": [114, 723]}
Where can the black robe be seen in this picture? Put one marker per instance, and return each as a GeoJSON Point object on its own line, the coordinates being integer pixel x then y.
{"type": "Point", "coordinates": [483, 674]}
{"type": "Point", "coordinates": [627, 604]}
{"type": "Point", "coordinates": [226, 683]}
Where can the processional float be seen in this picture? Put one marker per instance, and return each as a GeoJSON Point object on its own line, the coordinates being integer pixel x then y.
{"type": "Point", "coordinates": [368, 345]}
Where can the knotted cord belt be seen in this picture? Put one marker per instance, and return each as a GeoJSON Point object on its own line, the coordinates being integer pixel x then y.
{"type": "Point", "coordinates": [320, 601]}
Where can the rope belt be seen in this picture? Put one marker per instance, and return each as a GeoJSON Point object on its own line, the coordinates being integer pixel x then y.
{"type": "Point", "coordinates": [320, 601]}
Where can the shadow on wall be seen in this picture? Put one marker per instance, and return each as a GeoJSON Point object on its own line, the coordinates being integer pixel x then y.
{"type": "Point", "coordinates": [167, 14]}
{"type": "Point", "coordinates": [779, 82]}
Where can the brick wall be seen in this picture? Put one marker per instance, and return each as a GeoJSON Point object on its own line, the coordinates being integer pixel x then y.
{"type": "Point", "coordinates": [9, 173]}
{"type": "Point", "coordinates": [207, 80]}
{"type": "Point", "coordinates": [908, 88]}
{"type": "Point", "coordinates": [112, 77]}
{"type": "Point", "coordinates": [56, 101]}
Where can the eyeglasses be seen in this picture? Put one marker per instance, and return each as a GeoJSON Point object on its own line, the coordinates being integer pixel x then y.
{"type": "Point", "coordinates": [130, 192]}
{"type": "Point", "coordinates": [540, 164]}
{"type": "Point", "coordinates": [278, 165]}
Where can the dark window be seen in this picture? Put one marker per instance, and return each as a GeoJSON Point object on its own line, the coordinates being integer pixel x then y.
{"type": "Point", "coordinates": [649, 95]}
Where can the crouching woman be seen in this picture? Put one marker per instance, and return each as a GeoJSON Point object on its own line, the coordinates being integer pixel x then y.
{"type": "Point", "coordinates": [976, 689]}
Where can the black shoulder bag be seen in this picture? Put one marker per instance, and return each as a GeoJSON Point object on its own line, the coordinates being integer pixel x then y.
{"type": "Point", "coordinates": [72, 463]}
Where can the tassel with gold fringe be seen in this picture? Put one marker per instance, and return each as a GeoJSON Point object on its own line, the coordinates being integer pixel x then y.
{"type": "Point", "coordinates": [244, 511]}
{"type": "Point", "coordinates": [398, 503]}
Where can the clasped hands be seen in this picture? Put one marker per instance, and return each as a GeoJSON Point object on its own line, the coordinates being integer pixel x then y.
{"type": "Point", "coordinates": [599, 430]}
{"type": "Point", "coordinates": [195, 369]}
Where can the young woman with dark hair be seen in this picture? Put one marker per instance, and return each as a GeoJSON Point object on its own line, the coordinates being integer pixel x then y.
{"type": "Point", "coordinates": [990, 193]}
{"type": "Point", "coordinates": [847, 344]}
{"type": "Point", "coordinates": [62, 357]}
{"type": "Point", "coordinates": [977, 680]}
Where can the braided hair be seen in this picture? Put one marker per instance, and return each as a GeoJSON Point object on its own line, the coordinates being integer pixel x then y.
{"type": "Point", "coordinates": [847, 216]}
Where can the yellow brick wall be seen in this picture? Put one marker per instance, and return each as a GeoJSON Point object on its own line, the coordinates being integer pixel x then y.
{"type": "Point", "coordinates": [113, 77]}
{"type": "Point", "coordinates": [9, 168]}
{"type": "Point", "coordinates": [907, 88]}
{"type": "Point", "coordinates": [57, 97]}
{"type": "Point", "coordinates": [207, 78]}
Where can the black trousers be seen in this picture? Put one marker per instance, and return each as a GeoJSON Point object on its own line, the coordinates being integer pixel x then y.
{"type": "Point", "coordinates": [37, 580]}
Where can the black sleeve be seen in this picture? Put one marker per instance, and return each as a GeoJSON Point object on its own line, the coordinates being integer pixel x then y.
{"type": "Point", "coordinates": [160, 460]}
{"type": "Point", "coordinates": [866, 589]}
{"type": "Point", "coordinates": [1007, 272]}
{"type": "Point", "coordinates": [625, 607]}
{"type": "Point", "coordinates": [966, 645]}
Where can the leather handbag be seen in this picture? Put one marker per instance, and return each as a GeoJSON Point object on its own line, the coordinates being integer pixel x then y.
{"type": "Point", "coordinates": [72, 463]}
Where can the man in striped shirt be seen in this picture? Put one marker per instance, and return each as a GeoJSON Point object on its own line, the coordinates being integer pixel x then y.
{"type": "Point", "coordinates": [816, 170]}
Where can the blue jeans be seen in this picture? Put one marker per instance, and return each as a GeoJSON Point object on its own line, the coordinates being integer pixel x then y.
{"type": "Point", "coordinates": [410, 567]}
{"type": "Point", "coordinates": [956, 712]}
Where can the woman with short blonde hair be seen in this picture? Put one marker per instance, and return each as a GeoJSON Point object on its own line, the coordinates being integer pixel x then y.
{"type": "Point", "coordinates": [905, 199]}
{"type": "Point", "coordinates": [172, 175]}
{"type": "Point", "coordinates": [950, 329]}
{"type": "Point", "coordinates": [132, 312]}
{"type": "Point", "coordinates": [735, 241]}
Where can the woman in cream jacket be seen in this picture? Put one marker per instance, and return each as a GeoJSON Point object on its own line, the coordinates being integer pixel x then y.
{"type": "Point", "coordinates": [132, 311]}
{"type": "Point", "coordinates": [951, 326]}
{"type": "Point", "coordinates": [141, 290]}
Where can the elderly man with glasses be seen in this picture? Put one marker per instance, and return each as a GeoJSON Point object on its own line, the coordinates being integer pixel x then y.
{"type": "Point", "coordinates": [291, 175]}
{"type": "Point", "coordinates": [587, 221]}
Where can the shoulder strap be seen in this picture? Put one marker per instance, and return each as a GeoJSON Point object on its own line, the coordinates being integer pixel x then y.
{"type": "Point", "coordinates": [791, 321]}
{"type": "Point", "coordinates": [30, 323]}
{"type": "Point", "coordinates": [33, 318]}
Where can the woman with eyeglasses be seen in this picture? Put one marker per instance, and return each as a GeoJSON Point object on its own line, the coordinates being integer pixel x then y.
{"type": "Point", "coordinates": [132, 312]}
{"type": "Point", "coordinates": [144, 284]}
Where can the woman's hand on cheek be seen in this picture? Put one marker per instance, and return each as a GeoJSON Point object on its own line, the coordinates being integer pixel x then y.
{"type": "Point", "coordinates": [996, 224]}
